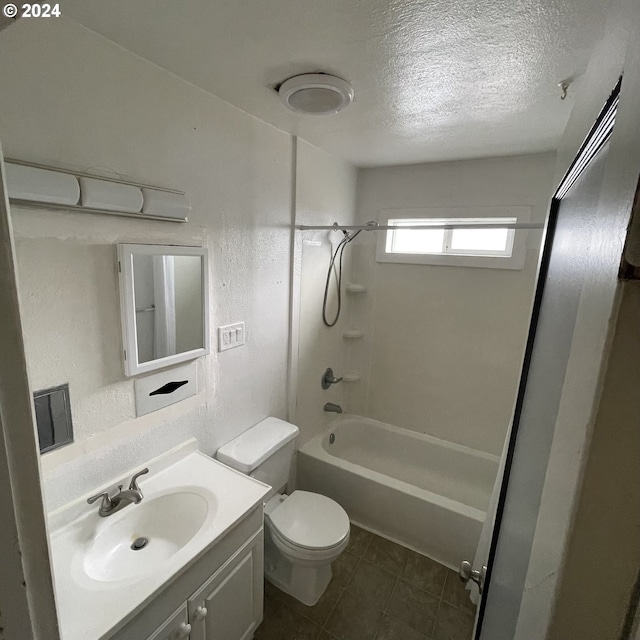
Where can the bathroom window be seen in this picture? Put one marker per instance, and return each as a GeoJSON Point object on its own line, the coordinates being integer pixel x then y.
{"type": "Point", "coordinates": [491, 247]}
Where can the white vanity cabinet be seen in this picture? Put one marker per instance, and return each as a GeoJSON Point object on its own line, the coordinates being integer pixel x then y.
{"type": "Point", "coordinates": [229, 605]}
{"type": "Point", "coordinates": [219, 597]}
{"type": "Point", "coordinates": [177, 627]}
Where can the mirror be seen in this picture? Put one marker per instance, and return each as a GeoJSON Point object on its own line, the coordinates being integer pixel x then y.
{"type": "Point", "coordinates": [164, 305]}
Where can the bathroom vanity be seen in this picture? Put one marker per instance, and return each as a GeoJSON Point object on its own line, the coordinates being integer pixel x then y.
{"type": "Point", "coordinates": [199, 575]}
{"type": "Point", "coordinates": [220, 596]}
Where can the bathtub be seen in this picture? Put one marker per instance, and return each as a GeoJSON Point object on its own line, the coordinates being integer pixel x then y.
{"type": "Point", "coordinates": [423, 492]}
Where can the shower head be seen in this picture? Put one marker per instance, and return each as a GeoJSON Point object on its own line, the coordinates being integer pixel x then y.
{"type": "Point", "coordinates": [352, 236]}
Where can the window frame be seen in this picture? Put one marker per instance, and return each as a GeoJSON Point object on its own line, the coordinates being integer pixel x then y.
{"type": "Point", "coordinates": [515, 261]}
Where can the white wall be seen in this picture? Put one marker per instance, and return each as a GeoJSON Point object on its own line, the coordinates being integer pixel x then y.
{"type": "Point", "coordinates": [444, 345]}
{"type": "Point", "coordinates": [604, 554]}
{"type": "Point", "coordinates": [325, 193]}
{"type": "Point", "coordinates": [70, 97]}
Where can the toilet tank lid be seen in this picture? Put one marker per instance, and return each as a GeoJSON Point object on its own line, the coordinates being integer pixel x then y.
{"type": "Point", "coordinates": [255, 445]}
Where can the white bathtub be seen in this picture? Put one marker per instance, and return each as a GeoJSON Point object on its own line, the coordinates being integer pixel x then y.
{"type": "Point", "coordinates": [426, 493]}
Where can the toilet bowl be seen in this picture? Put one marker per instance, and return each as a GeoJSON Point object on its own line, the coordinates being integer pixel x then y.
{"type": "Point", "coordinates": [304, 533]}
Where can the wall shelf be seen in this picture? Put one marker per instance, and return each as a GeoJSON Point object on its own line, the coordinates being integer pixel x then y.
{"type": "Point", "coordinates": [356, 288]}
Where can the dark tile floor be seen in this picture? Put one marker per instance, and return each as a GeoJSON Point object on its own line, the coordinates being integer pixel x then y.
{"type": "Point", "coordinates": [379, 591]}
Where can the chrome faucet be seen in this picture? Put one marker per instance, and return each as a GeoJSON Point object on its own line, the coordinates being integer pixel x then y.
{"type": "Point", "coordinates": [112, 504]}
{"type": "Point", "coordinates": [334, 408]}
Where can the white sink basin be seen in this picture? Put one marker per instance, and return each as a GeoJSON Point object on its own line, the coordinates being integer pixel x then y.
{"type": "Point", "coordinates": [144, 536]}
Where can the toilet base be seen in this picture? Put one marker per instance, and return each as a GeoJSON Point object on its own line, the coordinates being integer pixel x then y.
{"type": "Point", "coordinates": [302, 582]}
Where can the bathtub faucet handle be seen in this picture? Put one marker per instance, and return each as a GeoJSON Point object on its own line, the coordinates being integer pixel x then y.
{"type": "Point", "coordinates": [328, 378]}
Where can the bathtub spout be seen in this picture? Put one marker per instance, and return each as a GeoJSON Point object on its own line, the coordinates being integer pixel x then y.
{"type": "Point", "coordinates": [335, 408]}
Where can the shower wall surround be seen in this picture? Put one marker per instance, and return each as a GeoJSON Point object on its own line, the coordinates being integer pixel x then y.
{"type": "Point", "coordinates": [325, 192]}
{"type": "Point", "coordinates": [443, 345]}
{"type": "Point", "coordinates": [110, 111]}
{"type": "Point", "coordinates": [438, 349]}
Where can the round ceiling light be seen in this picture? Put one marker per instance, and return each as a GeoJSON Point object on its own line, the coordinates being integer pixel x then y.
{"type": "Point", "coordinates": [316, 94]}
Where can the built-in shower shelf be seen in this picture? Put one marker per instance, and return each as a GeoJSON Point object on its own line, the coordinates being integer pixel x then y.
{"type": "Point", "coordinates": [352, 376]}
{"type": "Point", "coordinates": [352, 334]}
{"type": "Point", "coordinates": [356, 288]}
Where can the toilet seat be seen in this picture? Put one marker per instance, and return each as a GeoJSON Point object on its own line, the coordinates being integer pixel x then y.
{"type": "Point", "coordinates": [309, 521]}
{"type": "Point", "coordinates": [306, 557]}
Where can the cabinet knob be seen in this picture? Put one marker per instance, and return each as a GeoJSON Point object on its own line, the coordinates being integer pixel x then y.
{"type": "Point", "coordinates": [184, 630]}
{"type": "Point", "coordinates": [200, 613]}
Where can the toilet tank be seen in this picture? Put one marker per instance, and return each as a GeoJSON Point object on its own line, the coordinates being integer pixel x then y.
{"type": "Point", "coordinates": [263, 452]}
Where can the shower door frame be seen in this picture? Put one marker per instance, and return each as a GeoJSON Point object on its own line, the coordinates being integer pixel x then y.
{"type": "Point", "coordinates": [531, 340]}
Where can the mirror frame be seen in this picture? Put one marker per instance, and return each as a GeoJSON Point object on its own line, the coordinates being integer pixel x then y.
{"type": "Point", "coordinates": [125, 254]}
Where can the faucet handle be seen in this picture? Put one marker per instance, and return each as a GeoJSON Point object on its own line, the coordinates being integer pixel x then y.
{"type": "Point", "coordinates": [133, 485]}
{"type": "Point", "coordinates": [106, 500]}
{"type": "Point", "coordinates": [328, 378]}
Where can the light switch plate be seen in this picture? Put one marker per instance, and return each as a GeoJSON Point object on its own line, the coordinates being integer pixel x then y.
{"type": "Point", "coordinates": [231, 336]}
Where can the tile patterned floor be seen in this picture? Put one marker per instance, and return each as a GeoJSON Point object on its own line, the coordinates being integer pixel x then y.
{"type": "Point", "coordinates": [379, 591]}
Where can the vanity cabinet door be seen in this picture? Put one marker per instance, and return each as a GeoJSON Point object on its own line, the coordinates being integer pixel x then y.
{"type": "Point", "coordinates": [229, 605]}
{"type": "Point", "coordinates": [176, 627]}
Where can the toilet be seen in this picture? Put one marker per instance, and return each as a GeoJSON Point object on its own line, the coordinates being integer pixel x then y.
{"type": "Point", "coordinates": [304, 532]}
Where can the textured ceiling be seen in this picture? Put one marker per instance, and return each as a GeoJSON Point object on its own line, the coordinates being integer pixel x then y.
{"type": "Point", "coordinates": [434, 80]}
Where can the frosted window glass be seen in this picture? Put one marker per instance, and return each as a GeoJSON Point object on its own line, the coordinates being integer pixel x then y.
{"type": "Point", "coordinates": [418, 241]}
{"type": "Point", "coordinates": [479, 239]}
{"type": "Point", "coordinates": [467, 241]}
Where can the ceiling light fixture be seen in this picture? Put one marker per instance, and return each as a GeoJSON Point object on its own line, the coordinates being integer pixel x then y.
{"type": "Point", "coordinates": [316, 94]}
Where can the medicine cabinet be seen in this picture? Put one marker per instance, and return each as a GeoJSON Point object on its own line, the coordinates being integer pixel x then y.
{"type": "Point", "coordinates": [164, 305]}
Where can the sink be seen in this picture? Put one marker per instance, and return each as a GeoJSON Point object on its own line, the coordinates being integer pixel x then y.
{"type": "Point", "coordinates": [139, 539]}
{"type": "Point", "coordinates": [190, 503]}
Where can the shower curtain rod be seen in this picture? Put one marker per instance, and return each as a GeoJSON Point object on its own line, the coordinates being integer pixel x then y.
{"type": "Point", "coordinates": [421, 227]}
